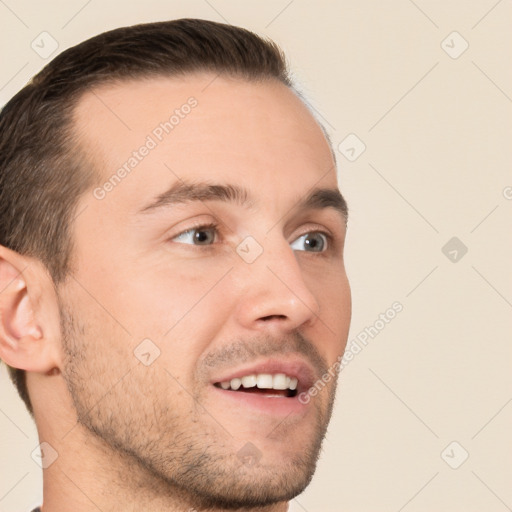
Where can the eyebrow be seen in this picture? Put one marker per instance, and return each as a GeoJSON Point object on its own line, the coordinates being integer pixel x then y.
{"type": "Point", "coordinates": [321, 198]}
{"type": "Point", "coordinates": [181, 192]}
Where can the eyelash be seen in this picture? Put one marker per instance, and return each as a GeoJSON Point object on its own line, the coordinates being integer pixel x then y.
{"type": "Point", "coordinates": [198, 227]}
{"type": "Point", "coordinates": [215, 226]}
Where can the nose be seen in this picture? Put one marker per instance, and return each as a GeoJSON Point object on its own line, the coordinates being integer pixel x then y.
{"type": "Point", "coordinates": [273, 292]}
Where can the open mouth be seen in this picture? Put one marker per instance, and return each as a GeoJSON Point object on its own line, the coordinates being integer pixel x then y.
{"type": "Point", "coordinates": [277, 385]}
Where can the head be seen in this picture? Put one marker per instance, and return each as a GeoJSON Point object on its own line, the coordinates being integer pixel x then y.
{"type": "Point", "coordinates": [172, 233]}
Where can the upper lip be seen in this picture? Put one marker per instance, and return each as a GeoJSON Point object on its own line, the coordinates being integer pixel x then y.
{"type": "Point", "coordinates": [293, 367]}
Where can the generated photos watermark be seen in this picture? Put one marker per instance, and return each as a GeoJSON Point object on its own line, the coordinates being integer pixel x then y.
{"type": "Point", "coordinates": [156, 136]}
{"type": "Point", "coordinates": [354, 347]}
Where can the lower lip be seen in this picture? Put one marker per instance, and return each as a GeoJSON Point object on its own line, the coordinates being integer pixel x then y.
{"type": "Point", "coordinates": [274, 405]}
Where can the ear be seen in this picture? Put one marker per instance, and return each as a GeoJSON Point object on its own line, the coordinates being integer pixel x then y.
{"type": "Point", "coordinates": [29, 314]}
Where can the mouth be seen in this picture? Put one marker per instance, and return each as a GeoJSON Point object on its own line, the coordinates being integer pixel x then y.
{"type": "Point", "coordinates": [271, 387]}
{"type": "Point", "coordinates": [276, 385]}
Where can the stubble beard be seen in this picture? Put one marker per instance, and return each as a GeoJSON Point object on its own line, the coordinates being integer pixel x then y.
{"type": "Point", "coordinates": [158, 452]}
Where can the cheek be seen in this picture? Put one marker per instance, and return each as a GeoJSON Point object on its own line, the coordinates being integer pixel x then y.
{"type": "Point", "coordinates": [331, 289]}
{"type": "Point", "coordinates": [158, 297]}
{"type": "Point", "coordinates": [180, 308]}
{"type": "Point", "coordinates": [97, 352]}
{"type": "Point", "coordinates": [333, 295]}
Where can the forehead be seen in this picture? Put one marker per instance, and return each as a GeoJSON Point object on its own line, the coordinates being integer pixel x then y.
{"type": "Point", "coordinates": [143, 135]}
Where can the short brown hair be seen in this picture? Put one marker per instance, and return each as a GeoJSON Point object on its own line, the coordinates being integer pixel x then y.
{"type": "Point", "coordinates": [42, 174]}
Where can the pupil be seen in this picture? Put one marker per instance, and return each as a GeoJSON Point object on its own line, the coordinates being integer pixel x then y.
{"type": "Point", "coordinates": [314, 243]}
{"type": "Point", "coordinates": [201, 236]}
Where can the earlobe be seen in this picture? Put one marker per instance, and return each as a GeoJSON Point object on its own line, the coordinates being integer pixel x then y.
{"type": "Point", "coordinates": [27, 337]}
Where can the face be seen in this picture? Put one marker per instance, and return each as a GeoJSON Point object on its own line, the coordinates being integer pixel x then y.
{"type": "Point", "coordinates": [208, 288]}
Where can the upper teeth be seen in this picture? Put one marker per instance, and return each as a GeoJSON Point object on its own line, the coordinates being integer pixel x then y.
{"type": "Point", "coordinates": [262, 381]}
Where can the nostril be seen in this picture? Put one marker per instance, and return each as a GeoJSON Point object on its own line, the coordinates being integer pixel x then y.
{"type": "Point", "coordinates": [273, 317]}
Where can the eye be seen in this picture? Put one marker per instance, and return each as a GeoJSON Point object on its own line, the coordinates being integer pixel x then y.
{"type": "Point", "coordinates": [311, 242]}
{"type": "Point", "coordinates": [202, 235]}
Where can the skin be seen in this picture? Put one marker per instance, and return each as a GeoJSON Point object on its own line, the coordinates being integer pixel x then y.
{"type": "Point", "coordinates": [161, 437]}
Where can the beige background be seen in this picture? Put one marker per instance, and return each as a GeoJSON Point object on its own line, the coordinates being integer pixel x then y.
{"type": "Point", "coordinates": [437, 131]}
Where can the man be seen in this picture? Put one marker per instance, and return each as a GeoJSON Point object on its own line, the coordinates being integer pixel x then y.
{"type": "Point", "coordinates": [174, 303]}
